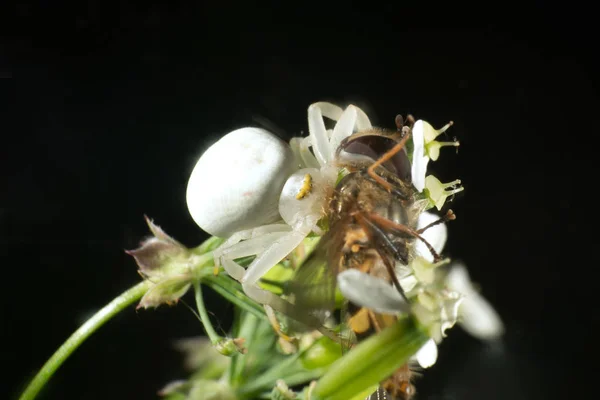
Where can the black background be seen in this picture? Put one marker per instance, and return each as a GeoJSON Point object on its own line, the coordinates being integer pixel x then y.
{"type": "Point", "coordinates": [106, 109]}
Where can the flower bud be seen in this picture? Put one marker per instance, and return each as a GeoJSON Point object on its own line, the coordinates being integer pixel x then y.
{"type": "Point", "coordinates": [282, 392]}
{"type": "Point", "coordinates": [321, 353]}
{"type": "Point", "coordinates": [168, 265]}
{"type": "Point", "coordinates": [229, 347]}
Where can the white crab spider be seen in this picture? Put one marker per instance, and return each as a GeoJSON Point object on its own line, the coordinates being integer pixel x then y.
{"type": "Point", "coordinates": [273, 242]}
{"type": "Point", "coordinates": [227, 191]}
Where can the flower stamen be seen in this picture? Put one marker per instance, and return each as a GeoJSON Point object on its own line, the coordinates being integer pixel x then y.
{"type": "Point", "coordinates": [431, 134]}
{"type": "Point", "coordinates": [433, 148]}
{"type": "Point", "coordinates": [438, 192]}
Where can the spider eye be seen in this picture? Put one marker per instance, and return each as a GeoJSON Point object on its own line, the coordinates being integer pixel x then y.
{"type": "Point", "coordinates": [374, 147]}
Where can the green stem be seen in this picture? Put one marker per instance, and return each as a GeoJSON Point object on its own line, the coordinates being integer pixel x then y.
{"type": "Point", "coordinates": [204, 318]}
{"type": "Point", "coordinates": [208, 245]}
{"type": "Point", "coordinates": [80, 335]}
{"type": "Point", "coordinates": [289, 369]}
{"type": "Point", "coordinates": [371, 361]}
{"type": "Point", "coordinates": [232, 291]}
{"type": "Point", "coordinates": [248, 329]}
{"type": "Point", "coordinates": [305, 376]}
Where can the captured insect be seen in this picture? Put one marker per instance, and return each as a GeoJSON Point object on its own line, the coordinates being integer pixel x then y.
{"type": "Point", "coordinates": [372, 215]}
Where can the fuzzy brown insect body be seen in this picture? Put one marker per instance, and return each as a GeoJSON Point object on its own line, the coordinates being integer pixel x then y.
{"type": "Point", "coordinates": [369, 248]}
{"type": "Point", "coordinates": [372, 217]}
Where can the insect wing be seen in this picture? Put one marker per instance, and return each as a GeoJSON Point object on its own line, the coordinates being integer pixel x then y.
{"type": "Point", "coordinates": [313, 285]}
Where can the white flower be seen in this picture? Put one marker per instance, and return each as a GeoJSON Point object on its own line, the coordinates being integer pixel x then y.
{"type": "Point", "coordinates": [371, 292]}
{"type": "Point", "coordinates": [427, 355]}
{"type": "Point", "coordinates": [437, 192]}
{"type": "Point", "coordinates": [425, 148]}
{"type": "Point", "coordinates": [437, 310]}
{"type": "Point", "coordinates": [381, 297]}
{"type": "Point", "coordinates": [477, 316]}
{"type": "Point", "coordinates": [326, 142]}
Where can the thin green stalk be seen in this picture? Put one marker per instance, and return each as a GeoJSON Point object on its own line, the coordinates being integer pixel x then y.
{"type": "Point", "coordinates": [210, 331]}
{"type": "Point", "coordinates": [248, 328]}
{"type": "Point", "coordinates": [232, 291]}
{"type": "Point", "coordinates": [290, 367]}
{"type": "Point", "coordinates": [298, 378]}
{"type": "Point", "coordinates": [208, 245]}
{"type": "Point", "coordinates": [305, 376]}
{"type": "Point", "coordinates": [80, 335]}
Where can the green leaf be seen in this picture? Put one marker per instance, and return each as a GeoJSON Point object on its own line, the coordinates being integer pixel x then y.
{"type": "Point", "coordinates": [371, 361]}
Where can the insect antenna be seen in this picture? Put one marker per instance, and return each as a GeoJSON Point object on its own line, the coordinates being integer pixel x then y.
{"type": "Point", "coordinates": [385, 157]}
{"type": "Point", "coordinates": [399, 122]}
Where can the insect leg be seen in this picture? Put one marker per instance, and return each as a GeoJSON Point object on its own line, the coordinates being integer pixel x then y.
{"type": "Point", "coordinates": [389, 154]}
{"type": "Point", "coordinates": [275, 323]}
{"type": "Point", "coordinates": [450, 216]}
{"type": "Point", "coordinates": [370, 228]}
{"type": "Point", "coordinates": [386, 223]}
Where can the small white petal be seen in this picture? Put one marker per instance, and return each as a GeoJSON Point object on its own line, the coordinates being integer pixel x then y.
{"type": "Point", "coordinates": [308, 158]}
{"type": "Point", "coordinates": [343, 128]}
{"type": "Point", "coordinates": [458, 280]}
{"type": "Point", "coordinates": [436, 236]}
{"type": "Point", "coordinates": [477, 316]}
{"type": "Point", "coordinates": [318, 134]}
{"type": "Point", "coordinates": [362, 121]}
{"type": "Point", "coordinates": [408, 282]}
{"type": "Point", "coordinates": [427, 355]}
{"type": "Point", "coordinates": [419, 159]}
{"type": "Point", "coordinates": [371, 292]}
{"type": "Point", "coordinates": [329, 110]}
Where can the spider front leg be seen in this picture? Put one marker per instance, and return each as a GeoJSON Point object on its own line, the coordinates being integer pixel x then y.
{"type": "Point", "coordinates": [226, 255]}
{"type": "Point", "coordinates": [270, 244]}
{"type": "Point", "coordinates": [301, 205]}
{"type": "Point", "coordinates": [239, 244]}
{"type": "Point", "coordinates": [277, 251]}
{"type": "Point", "coordinates": [281, 247]}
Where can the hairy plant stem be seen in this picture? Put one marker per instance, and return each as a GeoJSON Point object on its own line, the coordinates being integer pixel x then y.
{"type": "Point", "coordinates": [204, 318]}
{"type": "Point", "coordinates": [119, 303]}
